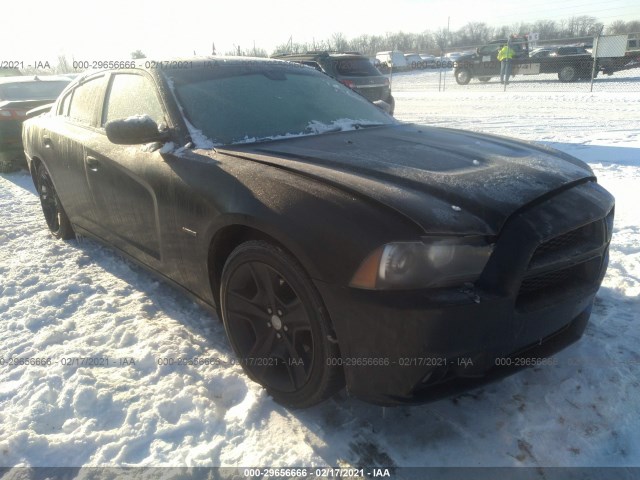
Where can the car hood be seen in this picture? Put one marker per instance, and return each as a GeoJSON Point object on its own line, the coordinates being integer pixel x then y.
{"type": "Point", "coordinates": [447, 181]}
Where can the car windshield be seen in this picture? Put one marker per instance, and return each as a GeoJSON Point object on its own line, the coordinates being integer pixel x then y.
{"type": "Point", "coordinates": [245, 103]}
{"type": "Point", "coordinates": [36, 90]}
{"type": "Point", "coordinates": [355, 67]}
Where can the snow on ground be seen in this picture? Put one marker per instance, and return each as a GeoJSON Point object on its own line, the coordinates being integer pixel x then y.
{"type": "Point", "coordinates": [443, 80]}
{"type": "Point", "coordinates": [66, 300]}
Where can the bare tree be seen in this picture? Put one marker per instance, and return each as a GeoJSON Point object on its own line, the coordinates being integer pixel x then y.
{"type": "Point", "coordinates": [441, 37]}
{"type": "Point", "coordinates": [473, 33]}
{"type": "Point", "coordinates": [339, 42]}
{"type": "Point", "coordinates": [546, 28]}
{"type": "Point", "coordinates": [620, 27]}
{"type": "Point", "coordinates": [137, 54]}
{"type": "Point", "coordinates": [63, 66]}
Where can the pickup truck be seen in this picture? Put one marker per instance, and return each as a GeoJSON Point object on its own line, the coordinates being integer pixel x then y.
{"type": "Point", "coordinates": [569, 63]}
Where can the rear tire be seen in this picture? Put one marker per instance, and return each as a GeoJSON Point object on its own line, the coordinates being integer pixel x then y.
{"type": "Point", "coordinates": [484, 79]}
{"type": "Point", "coordinates": [568, 73]}
{"type": "Point", "coordinates": [54, 214]}
{"type": "Point", "coordinates": [277, 325]}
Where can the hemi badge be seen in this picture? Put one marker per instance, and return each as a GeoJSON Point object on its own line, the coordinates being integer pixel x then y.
{"type": "Point", "coordinates": [189, 231]}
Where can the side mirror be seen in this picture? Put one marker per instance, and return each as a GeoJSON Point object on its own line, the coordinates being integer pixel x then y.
{"type": "Point", "coordinates": [134, 130]}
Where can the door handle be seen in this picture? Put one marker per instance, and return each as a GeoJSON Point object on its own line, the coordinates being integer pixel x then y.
{"type": "Point", "coordinates": [92, 163]}
{"type": "Point", "coordinates": [47, 141]}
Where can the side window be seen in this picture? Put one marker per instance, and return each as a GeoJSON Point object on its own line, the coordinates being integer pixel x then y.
{"type": "Point", "coordinates": [86, 101]}
{"type": "Point", "coordinates": [130, 95]}
{"type": "Point", "coordinates": [63, 109]}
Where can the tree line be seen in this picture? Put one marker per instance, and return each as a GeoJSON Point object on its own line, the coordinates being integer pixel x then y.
{"type": "Point", "coordinates": [472, 34]}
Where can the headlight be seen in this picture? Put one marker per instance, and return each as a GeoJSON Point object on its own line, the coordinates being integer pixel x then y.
{"type": "Point", "coordinates": [432, 262]}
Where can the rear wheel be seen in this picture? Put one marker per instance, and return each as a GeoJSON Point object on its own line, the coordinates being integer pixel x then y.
{"type": "Point", "coordinates": [55, 216]}
{"type": "Point", "coordinates": [484, 79]}
{"type": "Point", "coordinates": [278, 326]}
{"type": "Point", "coordinates": [568, 73]}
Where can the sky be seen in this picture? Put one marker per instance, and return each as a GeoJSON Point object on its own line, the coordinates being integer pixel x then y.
{"type": "Point", "coordinates": [112, 30]}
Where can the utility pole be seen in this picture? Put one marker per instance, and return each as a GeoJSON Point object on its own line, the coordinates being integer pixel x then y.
{"type": "Point", "coordinates": [441, 78]}
{"type": "Point", "coordinates": [594, 54]}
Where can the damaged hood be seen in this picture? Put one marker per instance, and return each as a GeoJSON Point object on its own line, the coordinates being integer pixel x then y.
{"type": "Point", "coordinates": [447, 181]}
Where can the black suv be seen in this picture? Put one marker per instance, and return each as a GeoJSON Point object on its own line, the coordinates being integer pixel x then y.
{"type": "Point", "coordinates": [351, 69]}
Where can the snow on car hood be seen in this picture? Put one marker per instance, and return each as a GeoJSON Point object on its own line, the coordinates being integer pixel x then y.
{"type": "Point", "coordinates": [440, 178]}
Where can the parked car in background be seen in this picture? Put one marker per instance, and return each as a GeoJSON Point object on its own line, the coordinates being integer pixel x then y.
{"type": "Point", "coordinates": [414, 61]}
{"type": "Point", "coordinates": [351, 69]}
{"type": "Point", "coordinates": [392, 58]}
{"type": "Point", "coordinates": [9, 72]}
{"type": "Point", "coordinates": [571, 50]}
{"type": "Point", "coordinates": [541, 52]}
{"type": "Point", "coordinates": [429, 61]}
{"type": "Point", "coordinates": [17, 96]}
{"type": "Point", "coordinates": [452, 57]}
{"type": "Point", "coordinates": [338, 245]}
{"type": "Point", "coordinates": [443, 62]}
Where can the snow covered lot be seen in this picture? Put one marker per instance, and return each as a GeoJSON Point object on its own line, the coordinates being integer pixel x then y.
{"type": "Point", "coordinates": [66, 300]}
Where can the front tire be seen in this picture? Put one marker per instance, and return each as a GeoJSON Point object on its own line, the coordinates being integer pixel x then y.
{"type": "Point", "coordinates": [463, 76]}
{"type": "Point", "coordinates": [277, 325]}
{"type": "Point", "coordinates": [54, 214]}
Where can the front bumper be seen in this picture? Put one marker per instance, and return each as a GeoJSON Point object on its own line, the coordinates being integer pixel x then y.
{"type": "Point", "coordinates": [533, 299]}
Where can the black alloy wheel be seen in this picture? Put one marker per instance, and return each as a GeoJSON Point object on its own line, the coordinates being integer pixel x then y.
{"type": "Point", "coordinates": [55, 216]}
{"type": "Point", "coordinates": [277, 325]}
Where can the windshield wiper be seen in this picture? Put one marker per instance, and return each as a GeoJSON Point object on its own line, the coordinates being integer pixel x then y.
{"type": "Point", "coordinates": [358, 126]}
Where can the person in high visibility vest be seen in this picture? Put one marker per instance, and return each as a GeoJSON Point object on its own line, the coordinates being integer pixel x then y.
{"type": "Point", "coordinates": [505, 55]}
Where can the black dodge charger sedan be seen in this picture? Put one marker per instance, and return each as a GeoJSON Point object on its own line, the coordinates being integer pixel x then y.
{"type": "Point", "coordinates": [337, 245]}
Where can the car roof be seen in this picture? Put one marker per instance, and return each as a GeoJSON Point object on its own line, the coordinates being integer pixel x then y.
{"type": "Point", "coordinates": [313, 55]}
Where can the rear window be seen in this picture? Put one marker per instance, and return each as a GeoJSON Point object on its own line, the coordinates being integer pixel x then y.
{"type": "Point", "coordinates": [86, 101]}
{"type": "Point", "coordinates": [355, 67]}
{"type": "Point", "coordinates": [36, 90]}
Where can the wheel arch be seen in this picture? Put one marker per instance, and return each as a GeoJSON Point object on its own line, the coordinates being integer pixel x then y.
{"type": "Point", "coordinates": [34, 163]}
{"type": "Point", "coordinates": [229, 236]}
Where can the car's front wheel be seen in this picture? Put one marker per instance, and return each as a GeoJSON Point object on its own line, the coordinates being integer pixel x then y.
{"type": "Point", "coordinates": [278, 326]}
{"type": "Point", "coordinates": [55, 216]}
{"type": "Point", "coordinates": [463, 76]}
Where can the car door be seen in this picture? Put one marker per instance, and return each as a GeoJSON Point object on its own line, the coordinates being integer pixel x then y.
{"type": "Point", "coordinates": [489, 64]}
{"type": "Point", "coordinates": [130, 183]}
{"type": "Point", "coordinates": [64, 135]}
